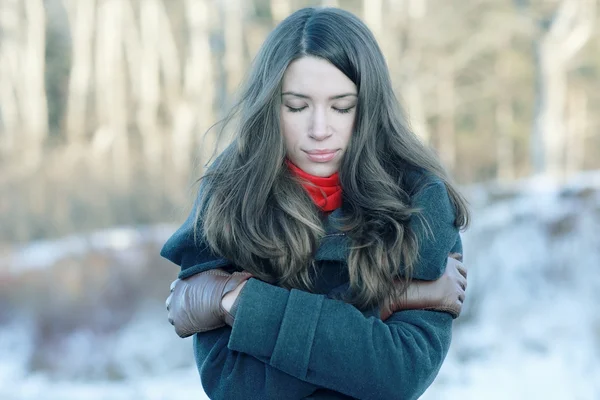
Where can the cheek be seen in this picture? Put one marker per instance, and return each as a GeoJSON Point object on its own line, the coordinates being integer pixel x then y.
{"type": "Point", "coordinates": [346, 127]}
{"type": "Point", "coordinates": [290, 129]}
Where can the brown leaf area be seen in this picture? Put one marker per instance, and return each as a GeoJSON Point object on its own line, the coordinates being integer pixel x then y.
{"type": "Point", "coordinates": [97, 293]}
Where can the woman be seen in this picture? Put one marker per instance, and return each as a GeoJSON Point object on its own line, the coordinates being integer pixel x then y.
{"type": "Point", "coordinates": [317, 228]}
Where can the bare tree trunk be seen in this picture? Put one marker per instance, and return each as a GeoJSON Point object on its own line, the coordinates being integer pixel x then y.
{"type": "Point", "coordinates": [548, 129]}
{"type": "Point", "coordinates": [82, 20]}
{"type": "Point", "coordinates": [169, 67]}
{"type": "Point", "coordinates": [234, 43]}
{"type": "Point", "coordinates": [417, 8]}
{"type": "Point", "coordinates": [133, 51]}
{"type": "Point", "coordinates": [9, 69]}
{"type": "Point", "coordinates": [280, 9]}
{"type": "Point", "coordinates": [110, 88]}
{"type": "Point", "coordinates": [149, 84]}
{"type": "Point", "coordinates": [570, 29]}
{"type": "Point", "coordinates": [197, 109]}
{"type": "Point", "coordinates": [170, 63]}
{"type": "Point", "coordinates": [8, 112]}
{"type": "Point", "coordinates": [417, 112]}
{"type": "Point", "coordinates": [447, 104]}
{"type": "Point", "coordinates": [397, 26]}
{"type": "Point", "coordinates": [505, 158]}
{"type": "Point", "coordinates": [405, 56]}
{"type": "Point", "coordinates": [576, 127]}
{"type": "Point", "coordinates": [373, 14]}
{"type": "Point", "coordinates": [159, 49]}
{"type": "Point", "coordinates": [33, 100]}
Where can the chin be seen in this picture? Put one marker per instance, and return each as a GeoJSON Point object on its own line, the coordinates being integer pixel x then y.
{"type": "Point", "coordinates": [321, 170]}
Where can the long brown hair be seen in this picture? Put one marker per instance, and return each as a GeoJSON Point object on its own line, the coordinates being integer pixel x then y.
{"type": "Point", "coordinates": [257, 215]}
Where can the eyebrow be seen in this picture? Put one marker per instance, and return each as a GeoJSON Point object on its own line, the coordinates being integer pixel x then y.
{"type": "Point", "coordinates": [303, 96]}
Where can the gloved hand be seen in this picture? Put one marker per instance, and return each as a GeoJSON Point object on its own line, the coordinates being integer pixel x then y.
{"type": "Point", "coordinates": [444, 294]}
{"type": "Point", "coordinates": [194, 304]}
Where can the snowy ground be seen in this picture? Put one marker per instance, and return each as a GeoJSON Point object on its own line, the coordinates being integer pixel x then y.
{"type": "Point", "coordinates": [530, 328]}
{"type": "Point", "coordinates": [532, 324]}
{"type": "Point", "coordinates": [155, 364]}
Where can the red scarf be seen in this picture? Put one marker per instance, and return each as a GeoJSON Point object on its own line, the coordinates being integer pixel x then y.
{"type": "Point", "coordinates": [325, 192]}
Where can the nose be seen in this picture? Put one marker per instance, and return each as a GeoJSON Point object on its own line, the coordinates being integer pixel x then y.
{"type": "Point", "coordinates": [319, 129]}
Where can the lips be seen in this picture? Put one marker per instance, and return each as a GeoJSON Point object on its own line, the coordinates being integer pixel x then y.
{"type": "Point", "coordinates": [321, 155]}
{"type": "Point", "coordinates": [325, 151]}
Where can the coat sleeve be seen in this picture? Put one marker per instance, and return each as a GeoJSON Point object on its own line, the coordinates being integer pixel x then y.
{"type": "Point", "coordinates": [435, 230]}
{"type": "Point", "coordinates": [331, 344]}
{"type": "Point", "coordinates": [227, 374]}
{"type": "Point", "coordinates": [190, 252]}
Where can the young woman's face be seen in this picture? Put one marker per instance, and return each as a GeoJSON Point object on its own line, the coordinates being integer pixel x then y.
{"type": "Point", "coordinates": [317, 115]}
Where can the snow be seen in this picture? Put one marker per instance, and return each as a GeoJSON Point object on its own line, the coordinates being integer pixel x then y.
{"type": "Point", "coordinates": [45, 253]}
{"type": "Point", "coordinates": [530, 328]}
{"type": "Point", "coordinates": [176, 385]}
{"type": "Point", "coordinates": [152, 362]}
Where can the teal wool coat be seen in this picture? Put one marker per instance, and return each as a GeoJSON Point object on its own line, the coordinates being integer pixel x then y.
{"type": "Point", "coordinates": [291, 344]}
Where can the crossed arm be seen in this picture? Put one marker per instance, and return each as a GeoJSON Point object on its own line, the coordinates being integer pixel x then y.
{"type": "Point", "coordinates": [302, 342]}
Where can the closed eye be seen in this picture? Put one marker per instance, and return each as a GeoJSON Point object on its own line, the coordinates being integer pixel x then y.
{"type": "Point", "coordinates": [343, 110]}
{"type": "Point", "coordinates": [293, 109]}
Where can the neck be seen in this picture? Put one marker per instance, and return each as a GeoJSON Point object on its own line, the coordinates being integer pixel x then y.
{"type": "Point", "coordinates": [326, 192]}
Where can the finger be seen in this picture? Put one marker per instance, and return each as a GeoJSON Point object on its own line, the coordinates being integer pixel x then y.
{"type": "Point", "coordinates": [456, 256]}
{"type": "Point", "coordinates": [463, 283]}
{"type": "Point", "coordinates": [462, 269]}
{"type": "Point", "coordinates": [461, 298]}
{"type": "Point", "coordinates": [458, 265]}
{"type": "Point", "coordinates": [458, 310]}
{"type": "Point", "coordinates": [171, 321]}
{"type": "Point", "coordinates": [173, 284]}
{"type": "Point", "coordinates": [168, 302]}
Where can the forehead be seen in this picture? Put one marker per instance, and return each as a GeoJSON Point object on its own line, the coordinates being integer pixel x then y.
{"type": "Point", "coordinates": [316, 77]}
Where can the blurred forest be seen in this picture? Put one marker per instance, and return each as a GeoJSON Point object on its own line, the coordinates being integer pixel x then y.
{"type": "Point", "coordinates": [104, 104]}
{"type": "Point", "coordinates": [105, 115]}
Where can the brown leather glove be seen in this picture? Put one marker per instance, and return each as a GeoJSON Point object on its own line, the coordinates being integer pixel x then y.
{"type": "Point", "coordinates": [194, 304]}
{"type": "Point", "coordinates": [444, 294]}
